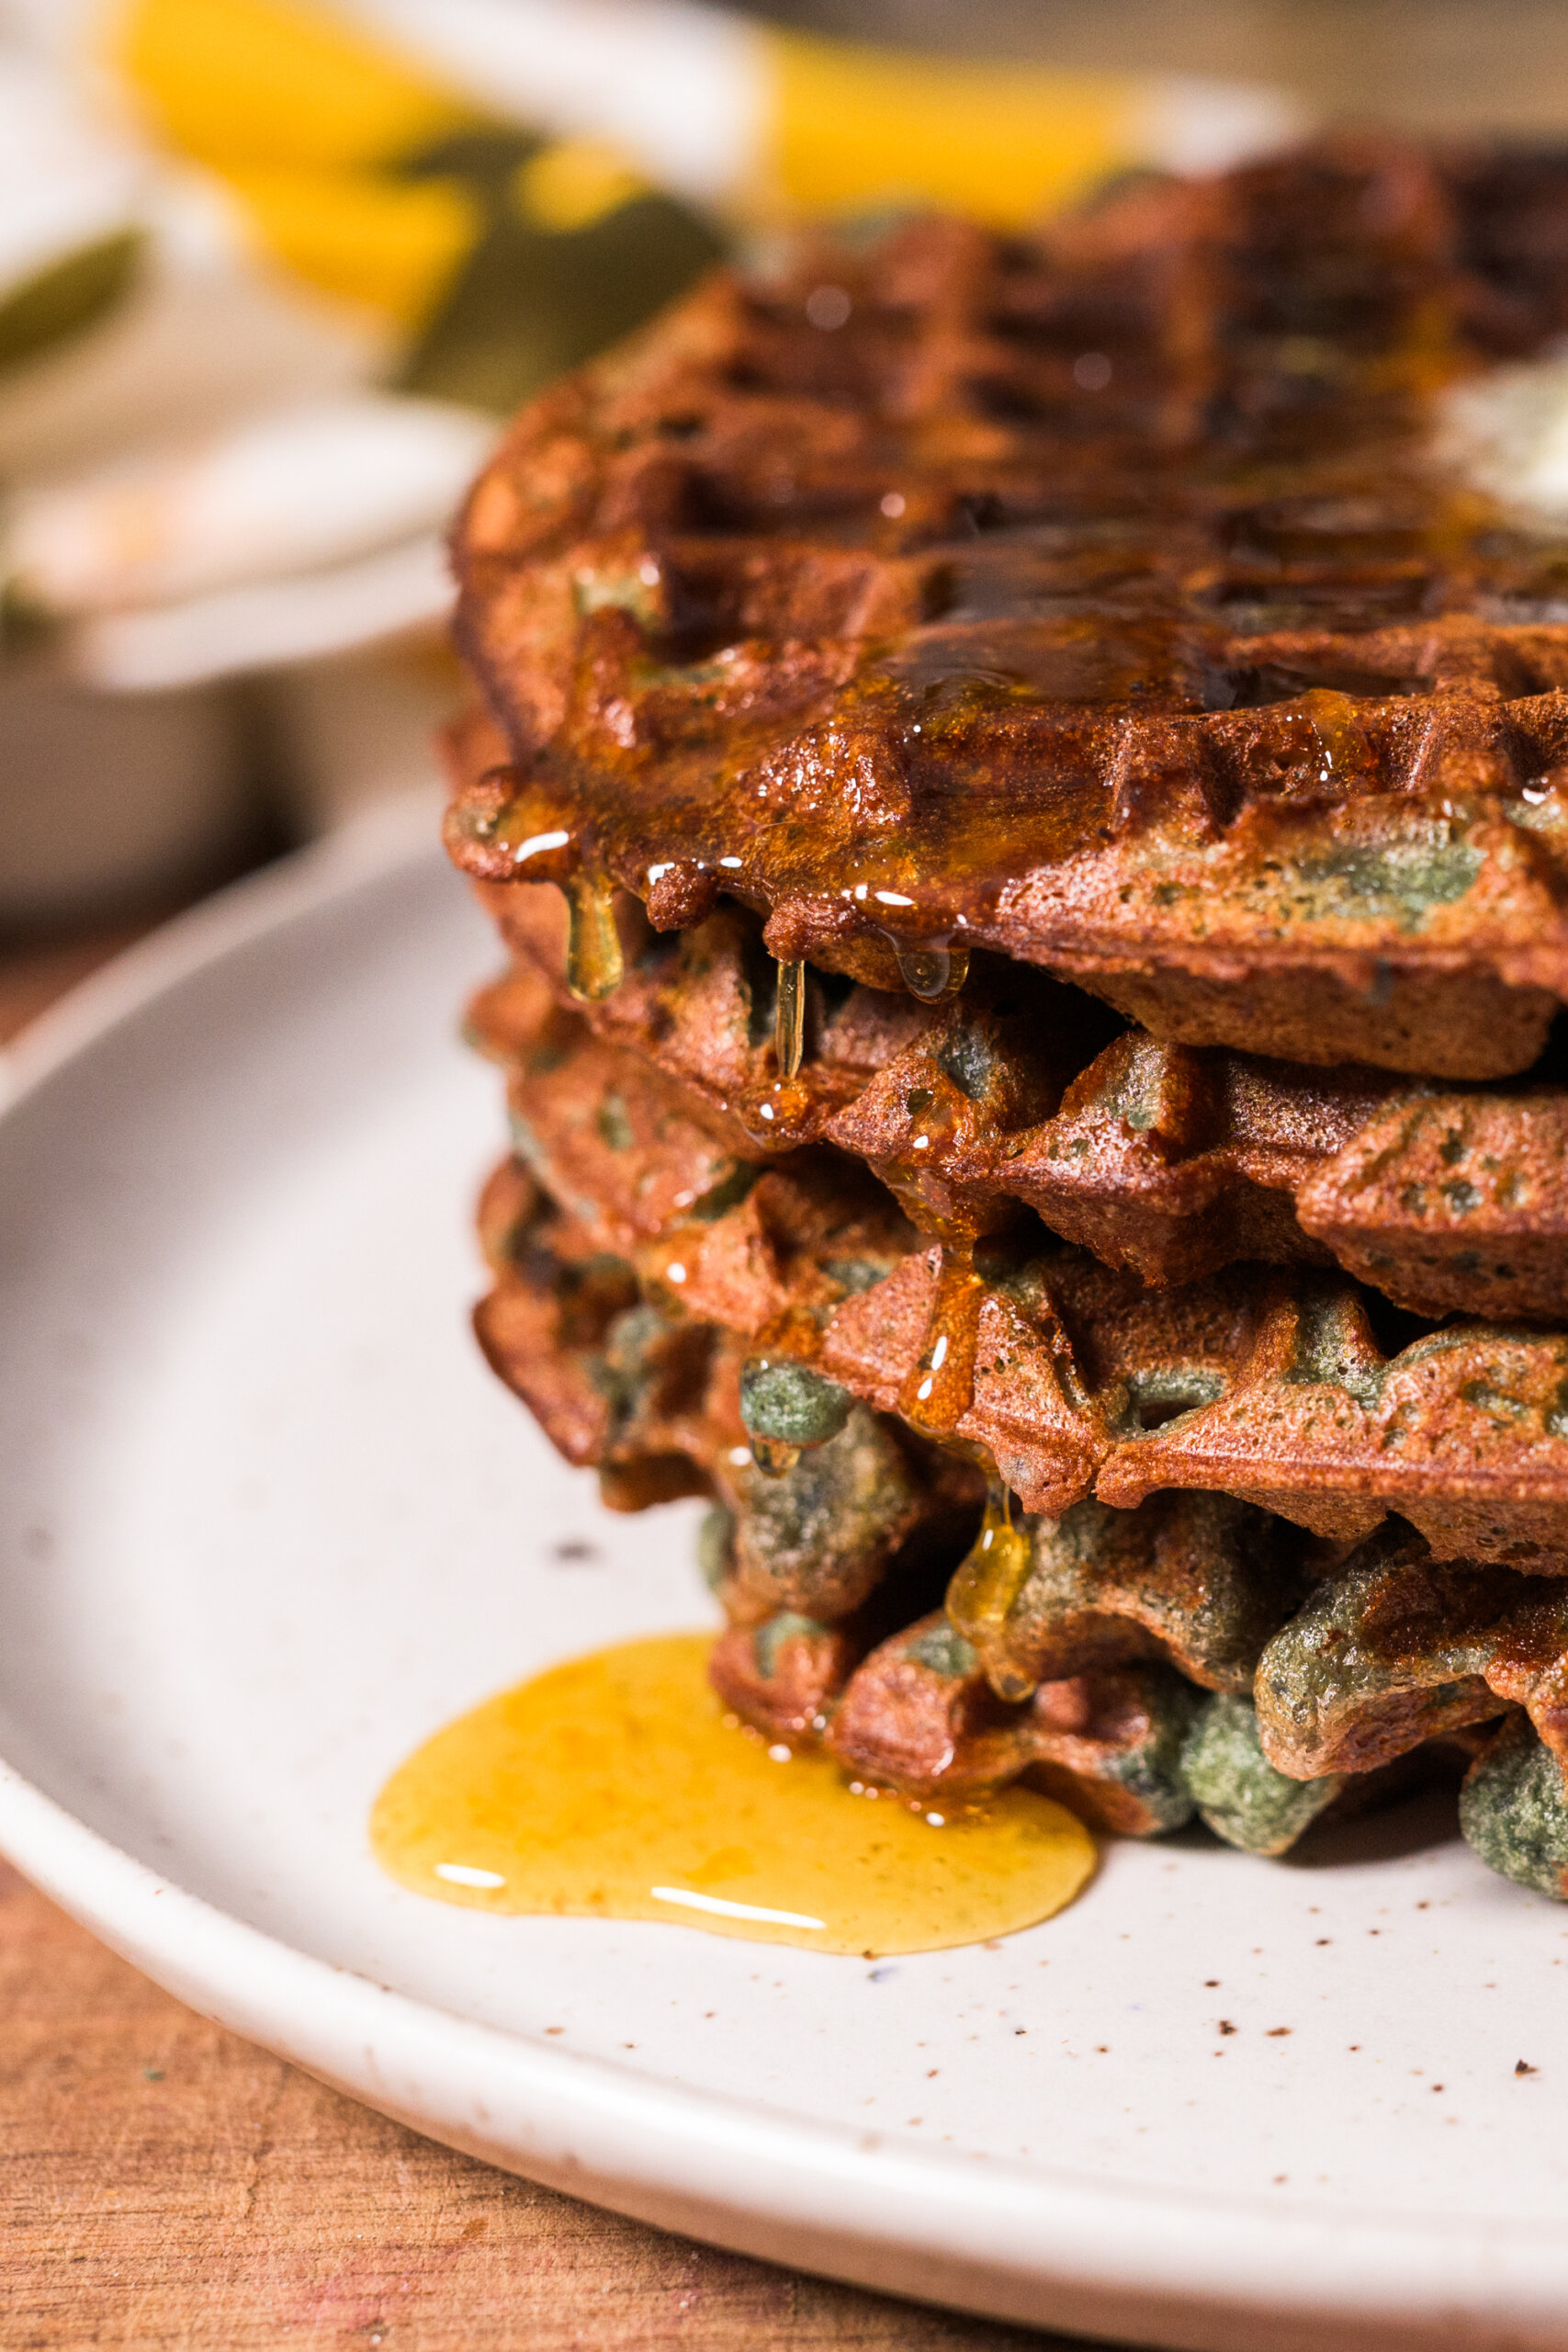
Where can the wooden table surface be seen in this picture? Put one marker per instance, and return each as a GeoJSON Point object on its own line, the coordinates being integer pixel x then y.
{"type": "Point", "coordinates": [166, 2188]}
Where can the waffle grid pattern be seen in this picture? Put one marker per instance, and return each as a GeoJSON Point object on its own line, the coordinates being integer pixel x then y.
{"type": "Point", "coordinates": [1095, 598]}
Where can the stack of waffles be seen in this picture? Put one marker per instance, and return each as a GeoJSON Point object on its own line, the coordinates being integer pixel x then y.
{"type": "Point", "coordinates": [1033, 1082]}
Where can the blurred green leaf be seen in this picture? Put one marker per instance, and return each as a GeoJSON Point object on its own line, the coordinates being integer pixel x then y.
{"type": "Point", "coordinates": [69, 297]}
{"type": "Point", "coordinates": [530, 302]}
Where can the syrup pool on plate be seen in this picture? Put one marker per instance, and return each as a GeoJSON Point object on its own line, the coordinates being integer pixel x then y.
{"type": "Point", "coordinates": [613, 1786]}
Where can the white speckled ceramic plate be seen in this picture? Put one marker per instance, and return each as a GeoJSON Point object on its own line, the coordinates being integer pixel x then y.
{"type": "Point", "coordinates": [266, 1520]}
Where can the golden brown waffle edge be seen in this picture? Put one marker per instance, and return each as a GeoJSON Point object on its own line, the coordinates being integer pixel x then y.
{"type": "Point", "coordinates": [1090, 600]}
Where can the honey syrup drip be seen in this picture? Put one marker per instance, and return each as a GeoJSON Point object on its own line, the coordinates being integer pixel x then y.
{"type": "Point", "coordinates": [789, 1019]}
{"type": "Point", "coordinates": [613, 1787]}
{"type": "Point", "coordinates": [775, 1457]}
{"type": "Point", "coordinates": [777, 1113]}
{"type": "Point", "coordinates": [594, 966]}
{"type": "Point", "coordinates": [933, 970]}
{"type": "Point", "coordinates": [1343, 755]}
{"type": "Point", "coordinates": [985, 1586]}
{"type": "Point", "coordinates": [532, 840]}
{"type": "Point", "coordinates": [940, 1388]}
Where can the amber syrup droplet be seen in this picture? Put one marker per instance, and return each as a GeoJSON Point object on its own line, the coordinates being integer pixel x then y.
{"type": "Point", "coordinates": [595, 966]}
{"type": "Point", "coordinates": [913, 1171]}
{"type": "Point", "coordinates": [789, 1019]}
{"type": "Point", "coordinates": [531, 841]}
{"type": "Point", "coordinates": [935, 971]}
{"type": "Point", "coordinates": [776, 1115]}
{"type": "Point", "coordinates": [777, 1112]}
{"type": "Point", "coordinates": [985, 1584]}
{"type": "Point", "coordinates": [1344, 754]}
{"type": "Point", "coordinates": [773, 1456]}
{"type": "Point", "coordinates": [523, 831]}
{"type": "Point", "coordinates": [939, 1389]}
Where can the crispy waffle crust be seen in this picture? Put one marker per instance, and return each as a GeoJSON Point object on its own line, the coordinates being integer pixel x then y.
{"type": "Point", "coordinates": [1073, 634]}
{"type": "Point", "coordinates": [1021, 1094]}
{"type": "Point", "coordinates": [1093, 600]}
{"type": "Point", "coordinates": [1184, 1657]}
{"type": "Point", "coordinates": [1270, 1386]}
{"type": "Point", "coordinates": [1143, 1639]}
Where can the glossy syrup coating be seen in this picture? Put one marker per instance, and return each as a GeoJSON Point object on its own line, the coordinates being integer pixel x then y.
{"type": "Point", "coordinates": [1168, 1160]}
{"type": "Point", "coordinates": [1091, 609]}
{"type": "Point", "coordinates": [1133, 1638]}
{"type": "Point", "coordinates": [1065, 1376]}
{"type": "Point", "coordinates": [900, 1513]}
{"type": "Point", "coordinates": [1093, 599]}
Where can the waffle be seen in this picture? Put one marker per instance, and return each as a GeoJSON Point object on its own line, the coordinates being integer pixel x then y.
{"type": "Point", "coordinates": [1269, 1385]}
{"type": "Point", "coordinates": [1034, 1093]}
{"type": "Point", "coordinates": [613, 1385]}
{"type": "Point", "coordinates": [1133, 1640]}
{"type": "Point", "coordinates": [1093, 600]}
{"type": "Point", "coordinates": [1170, 1160]}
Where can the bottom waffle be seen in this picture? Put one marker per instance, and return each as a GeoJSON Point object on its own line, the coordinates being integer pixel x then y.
{"type": "Point", "coordinates": [1190, 1655]}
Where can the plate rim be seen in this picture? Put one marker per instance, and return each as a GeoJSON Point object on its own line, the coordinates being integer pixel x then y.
{"type": "Point", "coordinates": [1139, 2260]}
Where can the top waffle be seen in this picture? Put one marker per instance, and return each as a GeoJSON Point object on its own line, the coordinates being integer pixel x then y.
{"type": "Point", "coordinates": [1095, 600]}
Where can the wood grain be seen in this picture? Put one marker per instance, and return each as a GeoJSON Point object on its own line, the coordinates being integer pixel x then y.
{"type": "Point", "coordinates": [166, 2188]}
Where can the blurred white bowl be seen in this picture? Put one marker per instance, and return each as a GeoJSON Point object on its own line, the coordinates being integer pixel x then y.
{"type": "Point", "coordinates": [360, 729]}
{"type": "Point", "coordinates": [110, 801]}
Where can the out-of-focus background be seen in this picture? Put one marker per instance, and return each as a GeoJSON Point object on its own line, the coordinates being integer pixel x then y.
{"type": "Point", "coordinates": [1439, 66]}
{"type": "Point", "coordinates": [272, 272]}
